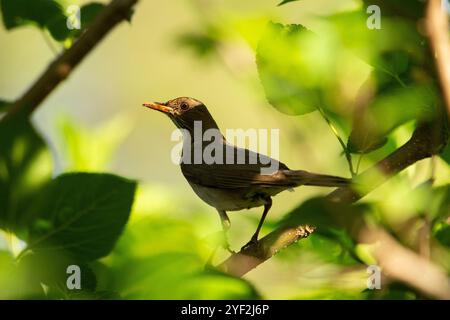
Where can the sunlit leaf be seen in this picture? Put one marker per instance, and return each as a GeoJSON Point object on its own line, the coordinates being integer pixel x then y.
{"type": "Point", "coordinates": [442, 233]}
{"type": "Point", "coordinates": [17, 282]}
{"type": "Point", "coordinates": [157, 253]}
{"type": "Point", "coordinates": [85, 149]}
{"type": "Point", "coordinates": [288, 80]}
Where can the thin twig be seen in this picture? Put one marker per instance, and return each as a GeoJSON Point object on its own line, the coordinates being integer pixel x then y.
{"type": "Point", "coordinates": [49, 43]}
{"type": "Point", "coordinates": [347, 154]}
{"type": "Point", "coordinates": [115, 12]}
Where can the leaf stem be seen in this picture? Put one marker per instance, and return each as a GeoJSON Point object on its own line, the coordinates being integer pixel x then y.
{"type": "Point", "coordinates": [348, 156]}
{"type": "Point", "coordinates": [359, 162]}
{"type": "Point", "coordinates": [49, 43]}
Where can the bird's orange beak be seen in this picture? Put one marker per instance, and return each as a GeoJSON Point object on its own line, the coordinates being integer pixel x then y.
{"type": "Point", "coordinates": [158, 106]}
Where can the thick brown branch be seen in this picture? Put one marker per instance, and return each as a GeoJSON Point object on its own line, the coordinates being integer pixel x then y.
{"type": "Point", "coordinates": [437, 29]}
{"type": "Point", "coordinates": [60, 69]}
{"type": "Point", "coordinates": [425, 141]}
{"type": "Point", "coordinates": [403, 264]}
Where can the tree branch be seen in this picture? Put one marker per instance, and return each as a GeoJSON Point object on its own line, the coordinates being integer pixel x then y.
{"type": "Point", "coordinates": [61, 67]}
{"type": "Point", "coordinates": [437, 29]}
{"type": "Point", "coordinates": [405, 265]}
{"type": "Point", "coordinates": [425, 141]}
{"type": "Point", "coordinates": [249, 258]}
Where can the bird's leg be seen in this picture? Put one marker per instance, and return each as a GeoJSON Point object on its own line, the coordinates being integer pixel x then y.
{"type": "Point", "coordinates": [225, 227]}
{"type": "Point", "coordinates": [254, 238]}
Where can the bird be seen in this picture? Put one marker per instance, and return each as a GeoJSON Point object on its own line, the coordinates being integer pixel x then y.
{"type": "Point", "coordinates": [229, 184]}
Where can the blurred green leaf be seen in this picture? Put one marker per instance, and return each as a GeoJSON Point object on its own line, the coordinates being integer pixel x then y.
{"type": "Point", "coordinates": [337, 222]}
{"type": "Point", "coordinates": [286, 1]}
{"type": "Point", "coordinates": [83, 214]}
{"type": "Point", "coordinates": [323, 213]}
{"type": "Point", "coordinates": [203, 43]}
{"type": "Point", "coordinates": [392, 291]}
{"type": "Point", "coordinates": [4, 105]}
{"type": "Point", "coordinates": [51, 269]}
{"type": "Point", "coordinates": [438, 204]}
{"type": "Point", "coordinates": [89, 150]}
{"type": "Point", "coordinates": [388, 111]}
{"type": "Point", "coordinates": [25, 166]}
{"type": "Point", "coordinates": [17, 282]}
{"type": "Point", "coordinates": [442, 233]}
{"type": "Point", "coordinates": [149, 278]}
{"type": "Point", "coordinates": [48, 14]}
{"type": "Point", "coordinates": [287, 78]}
{"type": "Point", "coordinates": [414, 10]}
{"type": "Point", "coordinates": [17, 13]}
{"type": "Point", "coordinates": [445, 154]}
{"type": "Point", "coordinates": [157, 252]}
{"type": "Point", "coordinates": [58, 27]}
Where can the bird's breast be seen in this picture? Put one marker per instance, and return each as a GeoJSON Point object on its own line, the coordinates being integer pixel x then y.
{"type": "Point", "coordinates": [227, 199]}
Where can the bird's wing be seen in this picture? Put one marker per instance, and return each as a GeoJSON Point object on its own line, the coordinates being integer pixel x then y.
{"type": "Point", "coordinates": [236, 175]}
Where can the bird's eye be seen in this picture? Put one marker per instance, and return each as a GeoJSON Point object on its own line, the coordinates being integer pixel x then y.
{"type": "Point", "coordinates": [184, 106]}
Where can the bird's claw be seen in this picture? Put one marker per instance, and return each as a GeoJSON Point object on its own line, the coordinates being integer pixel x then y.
{"type": "Point", "coordinates": [251, 243]}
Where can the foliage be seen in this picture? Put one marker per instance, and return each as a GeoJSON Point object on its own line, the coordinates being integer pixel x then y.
{"type": "Point", "coordinates": [371, 86]}
{"type": "Point", "coordinates": [47, 14]}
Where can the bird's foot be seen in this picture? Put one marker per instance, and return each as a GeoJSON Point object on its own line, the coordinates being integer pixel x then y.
{"type": "Point", "coordinates": [253, 241]}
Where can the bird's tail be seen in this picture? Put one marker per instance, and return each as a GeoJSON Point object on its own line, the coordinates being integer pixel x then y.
{"type": "Point", "coordinates": [301, 177]}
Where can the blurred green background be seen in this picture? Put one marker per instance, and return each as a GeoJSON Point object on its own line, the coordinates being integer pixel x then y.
{"type": "Point", "coordinates": [94, 122]}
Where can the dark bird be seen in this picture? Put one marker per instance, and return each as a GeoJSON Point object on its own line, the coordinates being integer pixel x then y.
{"type": "Point", "coordinates": [236, 181]}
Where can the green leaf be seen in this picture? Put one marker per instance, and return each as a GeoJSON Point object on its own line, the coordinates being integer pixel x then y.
{"type": "Point", "coordinates": [17, 13]}
{"type": "Point", "coordinates": [58, 27]}
{"type": "Point", "coordinates": [388, 111]}
{"type": "Point", "coordinates": [48, 14]}
{"type": "Point", "coordinates": [83, 214]}
{"type": "Point", "coordinates": [4, 105]}
{"type": "Point", "coordinates": [414, 10]}
{"type": "Point", "coordinates": [335, 221]}
{"type": "Point", "coordinates": [286, 1]}
{"type": "Point", "coordinates": [445, 154]}
{"type": "Point", "coordinates": [442, 233]}
{"type": "Point", "coordinates": [201, 44]}
{"type": "Point", "coordinates": [17, 282]}
{"type": "Point", "coordinates": [157, 252]}
{"type": "Point", "coordinates": [323, 213]}
{"type": "Point", "coordinates": [288, 79]}
{"type": "Point", "coordinates": [25, 166]}
{"type": "Point", "coordinates": [50, 268]}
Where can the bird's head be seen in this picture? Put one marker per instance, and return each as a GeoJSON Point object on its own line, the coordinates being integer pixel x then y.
{"type": "Point", "coordinates": [184, 111]}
